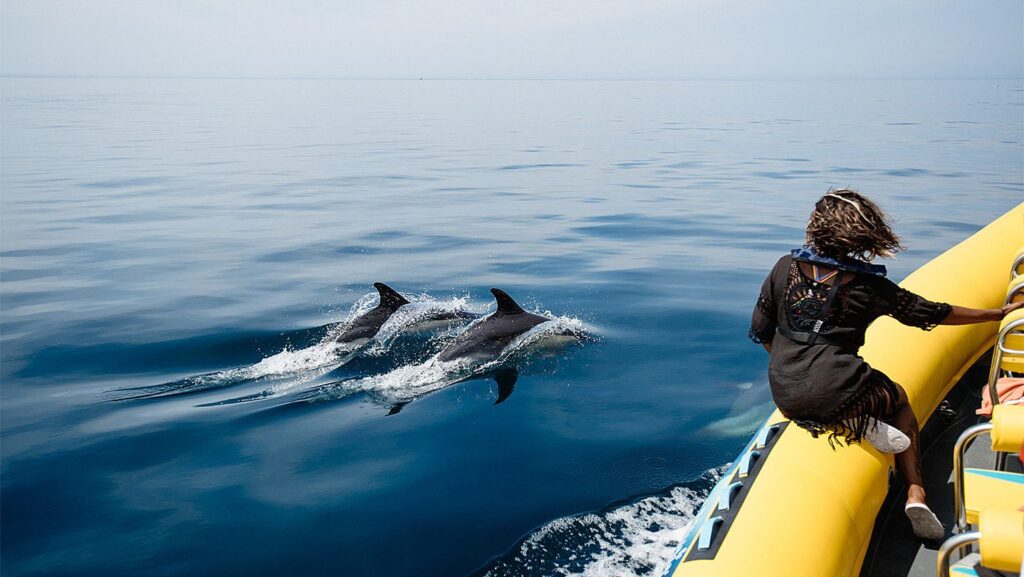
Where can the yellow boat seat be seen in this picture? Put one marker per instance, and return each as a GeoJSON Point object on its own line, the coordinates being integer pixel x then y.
{"type": "Point", "coordinates": [987, 489]}
{"type": "Point", "coordinates": [1000, 539]}
{"type": "Point", "coordinates": [976, 490]}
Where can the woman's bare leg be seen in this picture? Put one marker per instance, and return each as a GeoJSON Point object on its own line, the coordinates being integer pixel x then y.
{"type": "Point", "coordinates": [909, 461]}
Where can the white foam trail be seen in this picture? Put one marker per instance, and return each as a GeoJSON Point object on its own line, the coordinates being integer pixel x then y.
{"type": "Point", "coordinates": [399, 385]}
{"type": "Point", "coordinates": [635, 539]}
{"type": "Point", "coordinates": [293, 361]}
{"type": "Point", "coordinates": [325, 354]}
{"type": "Point", "coordinates": [328, 355]}
{"type": "Point", "coordinates": [303, 365]}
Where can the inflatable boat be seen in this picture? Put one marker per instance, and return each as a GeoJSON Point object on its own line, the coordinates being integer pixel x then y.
{"type": "Point", "coordinates": [790, 505]}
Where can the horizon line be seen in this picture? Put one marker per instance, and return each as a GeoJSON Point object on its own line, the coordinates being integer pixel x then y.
{"type": "Point", "coordinates": [508, 78]}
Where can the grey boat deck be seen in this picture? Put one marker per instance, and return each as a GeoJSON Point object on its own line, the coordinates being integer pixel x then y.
{"type": "Point", "coordinates": [894, 550]}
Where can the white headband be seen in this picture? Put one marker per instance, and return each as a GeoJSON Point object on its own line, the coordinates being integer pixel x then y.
{"type": "Point", "coordinates": [854, 203]}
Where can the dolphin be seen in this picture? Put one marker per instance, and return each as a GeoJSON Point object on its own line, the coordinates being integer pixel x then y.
{"type": "Point", "coordinates": [367, 325]}
{"type": "Point", "coordinates": [485, 341]}
{"type": "Point", "coordinates": [490, 336]}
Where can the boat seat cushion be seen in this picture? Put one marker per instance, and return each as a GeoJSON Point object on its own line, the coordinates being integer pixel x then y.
{"type": "Point", "coordinates": [1002, 539]}
{"type": "Point", "coordinates": [985, 489]}
{"type": "Point", "coordinates": [1008, 428]}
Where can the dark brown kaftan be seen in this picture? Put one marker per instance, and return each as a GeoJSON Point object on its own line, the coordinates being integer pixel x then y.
{"type": "Point", "coordinates": [827, 387]}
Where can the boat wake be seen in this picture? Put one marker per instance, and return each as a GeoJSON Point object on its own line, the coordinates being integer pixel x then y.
{"type": "Point", "coordinates": [638, 538]}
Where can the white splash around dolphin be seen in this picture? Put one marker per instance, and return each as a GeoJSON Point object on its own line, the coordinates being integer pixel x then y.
{"type": "Point", "coordinates": [407, 383]}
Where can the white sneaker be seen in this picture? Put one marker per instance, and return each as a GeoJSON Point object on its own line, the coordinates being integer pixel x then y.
{"type": "Point", "coordinates": [925, 524]}
{"type": "Point", "coordinates": [886, 438]}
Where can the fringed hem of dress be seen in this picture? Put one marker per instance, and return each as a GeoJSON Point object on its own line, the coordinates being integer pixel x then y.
{"type": "Point", "coordinates": [850, 421]}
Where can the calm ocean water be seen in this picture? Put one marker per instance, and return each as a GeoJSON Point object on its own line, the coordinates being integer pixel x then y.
{"type": "Point", "coordinates": [199, 238]}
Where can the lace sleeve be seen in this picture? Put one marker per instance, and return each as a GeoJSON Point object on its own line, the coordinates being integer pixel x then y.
{"type": "Point", "coordinates": [762, 324]}
{"type": "Point", "coordinates": [915, 311]}
{"type": "Point", "coordinates": [764, 319]}
{"type": "Point", "coordinates": [907, 307]}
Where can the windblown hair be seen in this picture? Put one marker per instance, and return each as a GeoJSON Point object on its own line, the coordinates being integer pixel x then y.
{"type": "Point", "coordinates": [846, 224]}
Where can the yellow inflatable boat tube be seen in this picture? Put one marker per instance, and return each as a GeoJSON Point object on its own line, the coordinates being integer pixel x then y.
{"type": "Point", "coordinates": [790, 506]}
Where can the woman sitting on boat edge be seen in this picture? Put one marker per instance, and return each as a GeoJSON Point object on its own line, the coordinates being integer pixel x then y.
{"type": "Point", "coordinates": [821, 298]}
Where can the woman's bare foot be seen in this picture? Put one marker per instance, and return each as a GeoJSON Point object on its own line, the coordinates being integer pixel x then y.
{"type": "Point", "coordinates": [915, 494]}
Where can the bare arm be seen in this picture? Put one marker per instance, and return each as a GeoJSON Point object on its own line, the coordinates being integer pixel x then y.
{"type": "Point", "coordinates": [968, 316]}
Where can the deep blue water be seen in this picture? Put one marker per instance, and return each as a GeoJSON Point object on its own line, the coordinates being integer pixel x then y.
{"type": "Point", "coordinates": [155, 231]}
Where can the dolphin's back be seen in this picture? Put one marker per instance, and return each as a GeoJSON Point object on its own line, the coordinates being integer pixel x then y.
{"type": "Point", "coordinates": [491, 336]}
{"type": "Point", "coordinates": [495, 332]}
{"type": "Point", "coordinates": [365, 326]}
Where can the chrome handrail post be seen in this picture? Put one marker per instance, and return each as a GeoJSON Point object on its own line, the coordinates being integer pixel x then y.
{"type": "Point", "coordinates": [964, 441]}
{"type": "Point", "coordinates": [1013, 292]}
{"type": "Point", "coordinates": [954, 543]}
{"type": "Point", "coordinates": [1016, 265]}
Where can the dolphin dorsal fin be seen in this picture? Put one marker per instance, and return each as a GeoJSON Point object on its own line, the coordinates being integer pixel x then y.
{"type": "Point", "coordinates": [389, 297]}
{"type": "Point", "coordinates": [506, 306]}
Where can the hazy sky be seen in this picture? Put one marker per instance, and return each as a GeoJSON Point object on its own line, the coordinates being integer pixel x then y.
{"type": "Point", "coordinates": [754, 39]}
